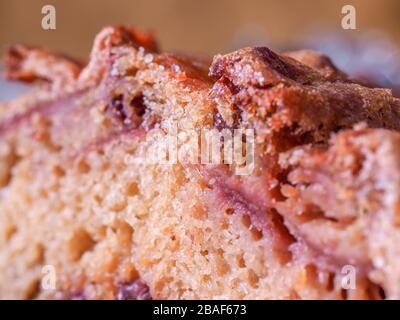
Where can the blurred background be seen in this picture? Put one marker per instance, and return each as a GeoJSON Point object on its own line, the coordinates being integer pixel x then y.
{"type": "Point", "coordinates": [217, 26]}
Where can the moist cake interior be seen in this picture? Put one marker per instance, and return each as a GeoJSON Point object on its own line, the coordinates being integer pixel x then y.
{"type": "Point", "coordinates": [78, 192]}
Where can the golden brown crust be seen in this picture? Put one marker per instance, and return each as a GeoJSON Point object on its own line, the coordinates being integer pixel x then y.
{"type": "Point", "coordinates": [30, 64]}
{"type": "Point", "coordinates": [281, 98]}
{"type": "Point", "coordinates": [319, 62]}
{"type": "Point", "coordinates": [127, 91]}
{"type": "Point", "coordinates": [111, 39]}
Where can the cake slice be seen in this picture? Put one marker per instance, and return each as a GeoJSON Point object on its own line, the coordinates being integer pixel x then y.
{"type": "Point", "coordinates": [84, 193]}
{"type": "Point", "coordinates": [344, 201]}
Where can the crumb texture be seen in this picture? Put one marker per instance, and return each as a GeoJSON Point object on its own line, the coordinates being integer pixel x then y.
{"type": "Point", "coordinates": [78, 192]}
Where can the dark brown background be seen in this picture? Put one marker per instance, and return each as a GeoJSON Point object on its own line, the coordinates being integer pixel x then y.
{"type": "Point", "coordinates": [204, 26]}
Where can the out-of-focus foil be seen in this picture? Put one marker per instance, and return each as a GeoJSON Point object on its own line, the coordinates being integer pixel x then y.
{"type": "Point", "coordinates": [370, 56]}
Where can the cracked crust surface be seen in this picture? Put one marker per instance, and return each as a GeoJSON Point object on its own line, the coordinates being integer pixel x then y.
{"type": "Point", "coordinates": [78, 193]}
